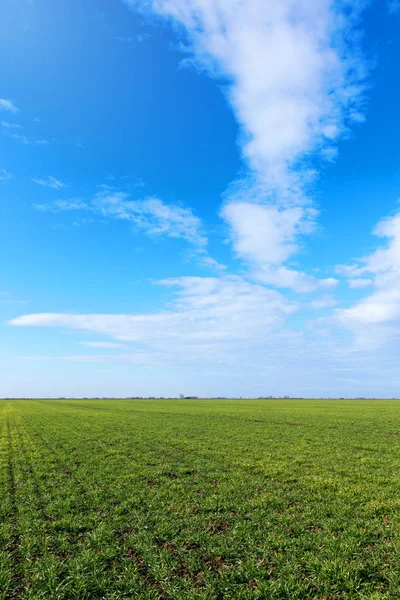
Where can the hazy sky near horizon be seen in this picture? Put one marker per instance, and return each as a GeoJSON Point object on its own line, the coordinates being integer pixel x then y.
{"type": "Point", "coordinates": [199, 197]}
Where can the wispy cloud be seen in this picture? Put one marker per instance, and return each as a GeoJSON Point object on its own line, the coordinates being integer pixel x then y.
{"type": "Point", "coordinates": [231, 330]}
{"type": "Point", "coordinates": [7, 125]}
{"type": "Point", "coordinates": [28, 142]}
{"type": "Point", "coordinates": [8, 105]}
{"type": "Point", "coordinates": [63, 205]}
{"type": "Point", "coordinates": [50, 182]}
{"type": "Point", "coordinates": [110, 345]}
{"type": "Point", "coordinates": [360, 282]}
{"type": "Point", "coordinates": [266, 236]}
{"type": "Point", "coordinates": [129, 39]}
{"type": "Point", "coordinates": [238, 335]}
{"type": "Point", "coordinates": [200, 320]}
{"type": "Point", "coordinates": [293, 75]}
{"type": "Point", "coordinates": [6, 299]}
{"type": "Point", "coordinates": [382, 306]}
{"type": "Point", "coordinates": [209, 262]}
{"type": "Point", "coordinates": [150, 215]}
{"type": "Point", "coordinates": [5, 175]}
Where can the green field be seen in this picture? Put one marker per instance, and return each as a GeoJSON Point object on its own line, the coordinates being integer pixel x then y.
{"type": "Point", "coordinates": [200, 499]}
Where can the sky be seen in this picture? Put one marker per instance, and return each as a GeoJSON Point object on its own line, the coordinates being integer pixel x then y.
{"type": "Point", "coordinates": [199, 198]}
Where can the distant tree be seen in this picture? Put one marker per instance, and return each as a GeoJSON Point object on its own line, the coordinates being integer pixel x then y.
{"type": "Point", "coordinates": [181, 396]}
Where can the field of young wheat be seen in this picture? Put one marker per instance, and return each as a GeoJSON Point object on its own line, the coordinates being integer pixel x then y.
{"type": "Point", "coordinates": [200, 499]}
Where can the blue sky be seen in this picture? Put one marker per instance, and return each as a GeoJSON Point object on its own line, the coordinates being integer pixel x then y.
{"type": "Point", "coordinates": [199, 198]}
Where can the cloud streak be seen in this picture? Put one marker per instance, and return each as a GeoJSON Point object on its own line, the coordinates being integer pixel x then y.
{"type": "Point", "coordinates": [7, 125]}
{"type": "Point", "coordinates": [111, 345]}
{"type": "Point", "coordinates": [8, 105]}
{"type": "Point", "coordinates": [150, 215]}
{"type": "Point", "coordinates": [50, 182]}
{"type": "Point", "coordinates": [62, 205]}
{"type": "Point", "coordinates": [237, 333]}
{"type": "Point", "coordinates": [224, 310]}
{"type": "Point", "coordinates": [22, 139]}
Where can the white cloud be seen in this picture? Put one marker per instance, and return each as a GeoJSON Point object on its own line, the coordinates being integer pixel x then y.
{"type": "Point", "coordinates": [27, 142]}
{"type": "Point", "coordinates": [330, 154]}
{"type": "Point", "coordinates": [350, 271]}
{"type": "Point", "coordinates": [229, 336]}
{"type": "Point", "coordinates": [209, 262]}
{"type": "Point", "coordinates": [63, 205]}
{"type": "Point", "coordinates": [103, 345]}
{"type": "Point", "coordinates": [267, 236]}
{"type": "Point", "coordinates": [8, 300]}
{"type": "Point", "coordinates": [380, 310]}
{"type": "Point", "coordinates": [384, 261]}
{"type": "Point", "coordinates": [226, 315]}
{"type": "Point", "coordinates": [150, 215]}
{"type": "Point", "coordinates": [50, 182]}
{"type": "Point", "coordinates": [5, 175]}
{"type": "Point", "coordinates": [224, 336]}
{"type": "Point", "coordinates": [7, 125]}
{"type": "Point", "coordinates": [14, 301]}
{"type": "Point", "coordinates": [215, 326]}
{"type": "Point", "coordinates": [380, 307]}
{"type": "Point", "coordinates": [291, 78]}
{"type": "Point", "coordinates": [360, 282]}
{"type": "Point", "coordinates": [21, 138]}
{"type": "Point", "coordinates": [327, 301]}
{"type": "Point", "coordinates": [8, 105]}
{"type": "Point", "coordinates": [292, 75]}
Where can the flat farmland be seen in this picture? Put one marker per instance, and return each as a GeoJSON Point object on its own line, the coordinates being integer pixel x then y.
{"type": "Point", "coordinates": [200, 499]}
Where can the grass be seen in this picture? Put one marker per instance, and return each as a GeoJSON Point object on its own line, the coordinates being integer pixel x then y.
{"type": "Point", "coordinates": [199, 499]}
